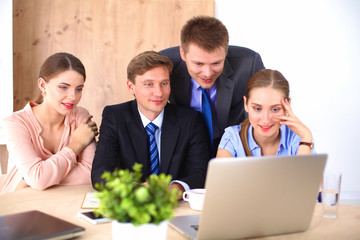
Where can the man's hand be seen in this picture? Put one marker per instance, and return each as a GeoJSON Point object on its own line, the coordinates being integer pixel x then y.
{"type": "Point", "coordinates": [179, 187]}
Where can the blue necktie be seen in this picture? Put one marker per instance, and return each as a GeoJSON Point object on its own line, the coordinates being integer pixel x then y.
{"type": "Point", "coordinates": [154, 155]}
{"type": "Point", "coordinates": [206, 112]}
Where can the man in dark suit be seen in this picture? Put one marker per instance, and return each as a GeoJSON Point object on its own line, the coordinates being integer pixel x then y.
{"type": "Point", "coordinates": [180, 138]}
{"type": "Point", "coordinates": [205, 60]}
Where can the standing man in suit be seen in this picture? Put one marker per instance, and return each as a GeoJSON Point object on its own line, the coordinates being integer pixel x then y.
{"type": "Point", "coordinates": [181, 147]}
{"type": "Point", "coordinates": [206, 64]}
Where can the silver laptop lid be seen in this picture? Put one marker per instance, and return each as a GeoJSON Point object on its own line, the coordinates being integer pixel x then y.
{"type": "Point", "coordinates": [249, 197]}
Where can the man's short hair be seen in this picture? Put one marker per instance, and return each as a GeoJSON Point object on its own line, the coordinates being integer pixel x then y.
{"type": "Point", "coordinates": [146, 61]}
{"type": "Point", "coordinates": [206, 32]}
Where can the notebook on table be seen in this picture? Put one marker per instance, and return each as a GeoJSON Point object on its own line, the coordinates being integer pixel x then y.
{"type": "Point", "coordinates": [36, 225]}
{"type": "Point", "coordinates": [253, 197]}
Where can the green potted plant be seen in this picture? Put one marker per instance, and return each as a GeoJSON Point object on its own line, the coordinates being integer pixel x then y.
{"type": "Point", "coordinates": [135, 206]}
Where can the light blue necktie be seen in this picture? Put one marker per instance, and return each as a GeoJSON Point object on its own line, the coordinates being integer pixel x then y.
{"type": "Point", "coordinates": [206, 112]}
{"type": "Point", "coordinates": [154, 155]}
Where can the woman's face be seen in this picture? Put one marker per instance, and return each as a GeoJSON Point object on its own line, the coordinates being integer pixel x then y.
{"type": "Point", "coordinates": [63, 92]}
{"type": "Point", "coordinates": [264, 106]}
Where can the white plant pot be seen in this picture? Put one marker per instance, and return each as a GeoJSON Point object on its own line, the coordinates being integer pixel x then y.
{"type": "Point", "coordinates": [146, 231]}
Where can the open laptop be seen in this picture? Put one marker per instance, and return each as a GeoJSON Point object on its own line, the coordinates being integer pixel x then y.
{"type": "Point", "coordinates": [36, 225]}
{"type": "Point", "coordinates": [256, 196]}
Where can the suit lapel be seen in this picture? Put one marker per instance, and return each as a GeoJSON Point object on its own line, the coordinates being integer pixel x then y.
{"type": "Point", "coordinates": [169, 137]}
{"type": "Point", "coordinates": [138, 138]}
{"type": "Point", "coordinates": [180, 87]}
{"type": "Point", "coordinates": [224, 93]}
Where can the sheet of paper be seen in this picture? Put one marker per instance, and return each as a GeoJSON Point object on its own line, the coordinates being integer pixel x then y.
{"type": "Point", "coordinates": [90, 201]}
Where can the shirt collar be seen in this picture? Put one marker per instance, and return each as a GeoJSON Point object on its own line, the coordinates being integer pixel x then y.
{"type": "Point", "coordinates": [282, 137]}
{"type": "Point", "coordinates": [194, 84]}
{"type": "Point", "coordinates": [157, 121]}
{"type": "Point", "coordinates": [252, 144]}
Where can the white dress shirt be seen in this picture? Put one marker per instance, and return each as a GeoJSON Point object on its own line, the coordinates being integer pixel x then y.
{"type": "Point", "coordinates": [158, 122]}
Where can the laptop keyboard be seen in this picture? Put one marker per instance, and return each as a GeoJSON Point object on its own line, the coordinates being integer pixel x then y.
{"type": "Point", "coordinates": [196, 227]}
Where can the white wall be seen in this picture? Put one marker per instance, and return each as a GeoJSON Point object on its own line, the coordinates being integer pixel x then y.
{"type": "Point", "coordinates": [316, 45]}
{"type": "Point", "coordinates": [6, 62]}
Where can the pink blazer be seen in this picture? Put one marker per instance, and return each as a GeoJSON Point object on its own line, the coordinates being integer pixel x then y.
{"type": "Point", "coordinates": [31, 161]}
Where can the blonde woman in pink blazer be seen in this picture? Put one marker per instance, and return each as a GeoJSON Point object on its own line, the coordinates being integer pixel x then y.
{"type": "Point", "coordinates": [52, 140]}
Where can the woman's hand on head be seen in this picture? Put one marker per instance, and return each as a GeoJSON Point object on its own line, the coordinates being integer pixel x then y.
{"type": "Point", "coordinates": [290, 120]}
{"type": "Point", "coordinates": [83, 134]}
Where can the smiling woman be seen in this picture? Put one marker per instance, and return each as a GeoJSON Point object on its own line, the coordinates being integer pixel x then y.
{"type": "Point", "coordinates": [272, 127]}
{"type": "Point", "coordinates": [52, 140]}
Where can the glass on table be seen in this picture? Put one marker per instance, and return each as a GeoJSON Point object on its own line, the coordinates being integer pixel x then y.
{"type": "Point", "coordinates": [330, 192]}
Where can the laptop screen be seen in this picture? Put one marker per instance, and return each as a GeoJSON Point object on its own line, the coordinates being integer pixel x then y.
{"type": "Point", "coordinates": [256, 196]}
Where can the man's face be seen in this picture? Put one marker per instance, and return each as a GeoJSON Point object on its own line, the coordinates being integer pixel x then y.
{"type": "Point", "coordinates": [204, 67]}
{"type": "Point", "coordinates": [151, 90]}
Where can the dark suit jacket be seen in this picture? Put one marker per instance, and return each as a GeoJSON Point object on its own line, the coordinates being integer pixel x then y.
{"type": "Point", "coordinates": [123, 141]}
{"type": "Point", "coordinates": [240, 64]}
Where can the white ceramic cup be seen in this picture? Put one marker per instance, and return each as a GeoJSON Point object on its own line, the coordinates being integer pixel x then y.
{"type": "Point", "coordinates": [195, 197]}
